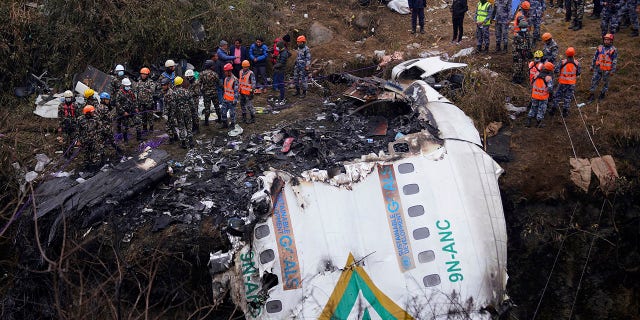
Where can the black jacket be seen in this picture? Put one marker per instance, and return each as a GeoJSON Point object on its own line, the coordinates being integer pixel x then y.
{"type": "Point", "coordinates": [459, 7]}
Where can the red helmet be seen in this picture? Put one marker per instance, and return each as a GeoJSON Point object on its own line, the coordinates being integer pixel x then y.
{"type": "Point", "coordinates": [145, 71]}
{"type": "Point", "coordinates": [570, 52]}
{"type": "Point", "coordinates": [301, 39]}
{"type": "Point", "coordinates": [525, 5]}
{"type": "Point", "coordinates": [548, 66]}
{"type": "Point", "coordinates": [608, 36]}
{"type": "Point", "coordinates": [228, 67]}
{"type": "Point", "coordinates": [88, 109]}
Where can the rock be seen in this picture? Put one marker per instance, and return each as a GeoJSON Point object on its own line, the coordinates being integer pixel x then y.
{"type": "Point", "coordinates": [362, 20]}
{"type": "Point", "coordinates": [319, 34]}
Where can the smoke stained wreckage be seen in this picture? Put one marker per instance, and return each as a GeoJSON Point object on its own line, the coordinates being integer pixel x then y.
{"type": "Point", "coordinates": [382, 206]}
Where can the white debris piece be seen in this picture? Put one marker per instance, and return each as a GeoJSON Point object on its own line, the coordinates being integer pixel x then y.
{"type": "Point", "coordinates": [30, 176]}
{"type": "Point", "coordinates": [463, 53]}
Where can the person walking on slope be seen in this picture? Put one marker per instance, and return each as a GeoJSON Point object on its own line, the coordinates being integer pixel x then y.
{"type": "Point", "coordinates": [541, 88]}
{"type": "Point", "coordinates": [230, 97]}
{"type": "Point", "coordinates": [302, 66]}
{"type": "Point", "coordinates": [603, 66]}
{"type": "Point", "coordinates": [417, 14]}
{"type": "Point", "coordinates": [501, 15]}
{"type": "Point", "coordinates": [247, 85]}
{"type": "Point", "coordinates": [569, 70]}
{"type": "Point", "coordinates": [458, 10]}
{"type": "Point", "coordinates": [484, 12]}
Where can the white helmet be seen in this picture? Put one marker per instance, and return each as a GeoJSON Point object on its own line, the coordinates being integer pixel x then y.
{"type": "Point", "coordinates": [126, 82]}
{"type": "Point", "coordinates": [188, 73]}
{"type": "Point", "coordinates": [68, 94]}
{"type": "Point", "coordinates": [119, 68]}
{"type": "Point", "coordinates": [169, 63]}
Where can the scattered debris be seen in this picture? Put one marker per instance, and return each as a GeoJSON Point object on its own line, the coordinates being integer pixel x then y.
{"type": "Point", "coordinates": [463, 53]}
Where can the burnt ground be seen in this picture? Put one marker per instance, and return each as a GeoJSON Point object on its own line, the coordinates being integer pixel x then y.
{"type": "Point", "coordinates": [588, 239]}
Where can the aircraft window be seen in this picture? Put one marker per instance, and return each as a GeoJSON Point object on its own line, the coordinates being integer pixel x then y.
{"type": "Point", "coordinates": [421, 233]}
{"type": "Point", "coordinates": [410, 189]}
{"type": "Point", "coordinates": [431, 280]}
{"type": "Point", "coordinates": [266, 256]}
{"type": "Point", "coordinates": [405, 167]}
{"type": "Point", "coordinates": [261, 231]}
{"type": "Point", "coordinates": [426, 256]}
{"type": "Point", "coordinates": [416, 211]}
{"type": "Point", "coordinates": [274, 306]}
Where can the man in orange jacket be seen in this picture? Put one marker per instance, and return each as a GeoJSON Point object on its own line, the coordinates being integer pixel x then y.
{"type": "Point", "coordinates": [541, 89]}
{"type": "Point", "coordinates": [603, 66]}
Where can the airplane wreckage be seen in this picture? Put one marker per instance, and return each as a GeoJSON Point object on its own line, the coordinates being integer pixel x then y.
{"type": "Point", "coordinates": [382, 206]}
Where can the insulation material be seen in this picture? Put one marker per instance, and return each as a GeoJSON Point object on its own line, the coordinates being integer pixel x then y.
{"type": "Point", "coordinates": [581, 172]}
{"type": "Point", "coordinates": [605, 169]}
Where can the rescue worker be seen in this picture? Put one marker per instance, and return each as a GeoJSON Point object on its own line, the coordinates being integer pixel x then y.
{"type": "Point", "coordinates": [609, 22]}
{"type": "Point", "coordinates": [279, 69]}
{"type": "Point", "coordinates": [603, 66]}
{"type": "Point", "coordinates": [169, 71]}
{"type": "Point", "coordinates": [218, 66]}
{"type": "Point", "coordinates": [484, 12]}
{"type": "Point", "coordinates": [535, 66]}
{"type": "Point", "coordinates": [535, 19]}
{"type": "Point", "coordinates": [104, 114]}
{"type": "Point", "coordinates": [89, 137]}
{"type": "Point", "coordinates": [144, 90]}
{"type": "Point", "coordinates": [246, 85]}
{"type": "Point", "coordinates": [166, 94]}
{"type": "Point", "coordinates": [630, 7]}
{"type": "Point", "coordinates": [116, 79]}
{"type": "Point", "coordinates": [258, 53]}
{"type": "Point", "coordinates": [89, 97]}
{"type": "Point", "coordinates": [230, 97]}
{"type": "Point", "coordinates": [68, 113]}
{"type": "Point", "coordinates": [521, 51]}
{"type": "Point", "coordinates": [193, 88]}
{"type": "Point", "coordinates": [521, 15]}
{"type": "Point", "coordinates": [302, 66]}
{"type": "Point", "coordinates": [541, 88]}
{"type": "Point", "coordinates": [126, 110]}
{"type": "Point", "coordinates": [569, 70]}
{"type": "Point", "coordinates": [209, 83]}
{"type": "Point", "coordinates": [501, 15]}
{"type": "Point", "coordinates": [550, 49]}
{"type": "Point", "coordinates": [577, 10]}
{"type": "Point", "coordinates": [181, 100]}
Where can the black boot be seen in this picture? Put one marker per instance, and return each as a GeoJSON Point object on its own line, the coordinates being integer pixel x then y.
{"type": "Point", "coordinates": [206, 120]}
{"type": "Point", "coordinates": [539, 124]}
{"type": "Point", "coordinates": [304, 94]}
{"type": "Point", "coordinates": [572, 25]}
{"type": "Point", "coordinates": [602, 95]}
{"type": "Point", "coordinates": [634, 32]}
{"type": "Point", "coordinates": [191, 143]}
{"type": "Point", "coordinates": [244, 118]}
{"type": "Point", "coordinates": [591, 98]}
{"type": "Point", "coordinates": [253, 118]}
{"type": "Point", "coordinates": [565, 112]}
{"type": "Point", "coordinates": [224, 124]}
{"type": "Point", "coordinates": [504, 47]}
{"type": "Point", "coordinates": [479, 49]}
{"type": "Point", "coordinates": [196, 127]}
{"type": "Point", "coordinates": [498, 47]}
{"type": "Point", "coordinates": [577, 26]}
{"type": "Point", "coordinates": [528, 123]}
{"type": "Point", "coordinates": [297, 92]}
{"type": "Point", "coordinates": [183, 144]}
{"type": "Point", "coordinates": [552, 111]}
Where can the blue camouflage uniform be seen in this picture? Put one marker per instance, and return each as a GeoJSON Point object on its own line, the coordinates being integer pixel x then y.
{"type": "Point", "coordinates": [501, 14]}
{"type": "Point", "coordinates": [610, 17]}
{"type": "Point", "coordinates": [300, 74]}
{"type": "Point", "coordinates": [535, 19]}
{"type": "Point", "coordinates": [603, 65]}
{"type": "Point", "coordinates": [565, 91]}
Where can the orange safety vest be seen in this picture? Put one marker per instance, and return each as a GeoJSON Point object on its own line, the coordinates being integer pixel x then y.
{"type": "Point", "coordinates": [229, 92]}
{"type": "Point", "coordinates": [568, 72]}
{"type": "Point", "coordinates": [516, 28]}
{"type": "Point", "coordinates": [604, 60]}
{"type": "Point", "coordinates": [534, 70]}
{"type": "Point", "coordinates": [539, 89]}
{"type": "Point", "coordinates": [245, 84]}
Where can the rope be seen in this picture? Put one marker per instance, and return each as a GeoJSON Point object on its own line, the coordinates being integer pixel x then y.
{"type": "Point", "coordinates": [585, 126]}
{"type": "Point", "coordinates": [566, 128]}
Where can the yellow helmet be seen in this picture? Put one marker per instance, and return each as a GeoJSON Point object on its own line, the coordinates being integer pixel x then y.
{"type": "Point", "coordinates": [89, 93]}
{"type": "Point", "coordinates": [178, 81]}
{"type": "Point", "coordinates": [538, 54]}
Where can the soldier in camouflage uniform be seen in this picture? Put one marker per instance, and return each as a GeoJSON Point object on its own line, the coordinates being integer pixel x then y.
{"type": "Point", "coordinates": [68, 113]}
{"type": "Point", "coordinates": [144, 90]}
{"type": "Point", "coordinates": [126, 110]}
{"type": "Point", "coordinates": [105, 115]}
{"type": "Point", "coordinates": [609, 23]}
{"type": "Point", "coordinates": [628, 14]}
{"type": "Point", "coordinates": [501, 15]}
{"type": "Point", "coordinates": [89, 137]}
{"type": "Point", "coordinates": [209, 83]}
{"type": "Point", "coordinates": [550, 49]}
{"type": "Point", "coordinates": [166, 94]}
{"type": "Point", "coordinates": [301, 67]}
{"type": "Point", "coordinates": [116, 79]}
{"type": "Point", "coordinates": [193, 87]}
{"type": "Point", "coordinates": [180, 102]}
{"type": "Point", "coordinates": [521, 52]}
{"type": "Point", "coordinates": [535, 19]}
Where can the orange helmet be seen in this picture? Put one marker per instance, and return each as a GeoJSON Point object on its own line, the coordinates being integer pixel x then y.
{"type": "Point", "coordinates": [88, 108]}
{"type": "Point", "coordinates": [301, 39]}
{"type": "Point", "coordinates": [227, 67]}
{"type": "Point", "coordinates": [145, 70]}
{"type": "Point", "coordinates": [525, 5]}
{"type": "Point", "coordinates": [245, 63]}
{"type": "Point", "coordinates": [570, 52]}
{"type": "Point", "coordinates": [548, 66]}
{"type": "Point", "coordinates": [608, 36]}
{"type": "Point", "coordinates": [546, 36]}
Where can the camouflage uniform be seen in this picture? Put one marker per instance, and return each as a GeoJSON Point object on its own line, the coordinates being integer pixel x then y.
{"type": "Point", "coordinates": [484, 12]}
{"type": "Point", "coordinates": [577, 9]}
{"type": "Point", "coordinates": [598, 72]}
{"type": "Point", "coordinates": [209, 82]}
{"type": "Point", "coordinates": [68, 114]}
{"type": "Point", "coordinates": [116, 81]}
{"type": "Point", "coordinates": [535, 19]}
{"type": "Point", "coordinates": [90, 139]}
{"type": "Point", "coordinates": [246, 100]}
{"type": "Point", "coordinates": [125, 103]}
{"type": "Point", "coordinates": [300, 74]}
{"type": "Point", "coordinates": [105, 116]}
{"type": "Point", "coordinates": [521, 53]}
{"type": "Point", "coordinates": [144, 90]}
{"type": "Point", "coordinates": [180, 104]}
{"type": "Point", "coordinates": [550, 51]}
{"type": "Point", "coordinates": [609, 23]}
{"type": "Point", "coordinates": [167, 101]}
{"type": "Point", "coordinates": [629, 9]}
{"type": "Point", "coordinates": [501, 14]}
{"type": "Point", "coordinates": [194, 91]}
{"type": "Point", "coordinates": [539, 106]}
{"type": "Point", "coordinates": [565, 92]}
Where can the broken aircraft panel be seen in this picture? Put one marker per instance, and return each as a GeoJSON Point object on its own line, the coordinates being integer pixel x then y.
{"type": "Point", "coordinates": [416, 232]}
